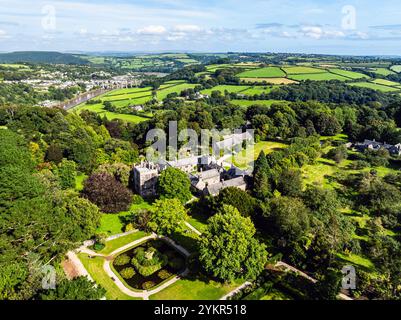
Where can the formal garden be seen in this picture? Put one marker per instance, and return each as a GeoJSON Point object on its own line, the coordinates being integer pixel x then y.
{"type": "Point", "coordinates": [148, 265]}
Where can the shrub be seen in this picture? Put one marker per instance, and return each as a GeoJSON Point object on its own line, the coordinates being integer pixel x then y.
{"type": "Point", "coordinates": [137, 199]}
{"type": "Point", "coordinates": [98, 246]}
{"type": "Point", "coordinates": [127, 273]}
{"type": "Point", "coordinates": [164, 274]}
{"type": "Point", "coordinates": [122, 260]}
{"type": "Point", "coordinates": [129, 227]}
{"type": "Point", "coordinates": [149, 261]}
{"type": "Point", "coordinates": [148, 285]}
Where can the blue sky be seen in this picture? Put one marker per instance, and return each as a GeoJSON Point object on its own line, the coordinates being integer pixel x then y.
{"type": "Point", "coordinates": [363, 27]}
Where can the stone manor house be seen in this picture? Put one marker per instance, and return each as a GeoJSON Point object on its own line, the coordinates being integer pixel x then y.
{"type": "Point", "coordinates": [206, 175]}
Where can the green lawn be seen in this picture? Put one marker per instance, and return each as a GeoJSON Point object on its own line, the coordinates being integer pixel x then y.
{"type": "Point", "coordinates": [95, 269]}
{"type": "Point", "coordinates": [195, 289]}
{"type": "Point", "coordinates": [357, 260]}
{"type": "Point", "coordinates": [113, 223]}
{"type": "Point", "coordinates": [269, 72]}
{"type": "Point", "coordinates": [242, 160]}
{"type": "Point", "coordinates": [122, 241]}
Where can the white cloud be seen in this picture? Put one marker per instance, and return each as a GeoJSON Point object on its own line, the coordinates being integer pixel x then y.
{"type": "Point", "coordinates": [3, 34]}
{"type": "Point", "coordinates": [316, 32]}
{"type": "Point", "coordinates": [152, 30]}
{"type": "Point", "coordinates": [187, 28]}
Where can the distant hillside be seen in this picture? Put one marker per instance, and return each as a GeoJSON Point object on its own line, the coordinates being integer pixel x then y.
{"type": "Point", "coordinates": [41, 57]}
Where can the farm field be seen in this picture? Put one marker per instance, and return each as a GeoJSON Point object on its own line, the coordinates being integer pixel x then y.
{"type": "Point", "coordinates": [386, 83]}
{"type": "Point", "coordinates": [325, 76]}
{"type": "Point", "coordinates": [349, 74]}
{"type": "Point", "coordinates": [269, 72]}
{"type": "Point", "coordinates": [163, 93]}
{"type": "Point", "coordinates": [269, 80]}
{"type": "Point", "coordinates": [258, 90]}
{"type": "Point", "coordinates": [99, 109]}
{"type": "Point", "coordinates": [374, 86]}
{"type": "Point", "coordinates": [396, 68]}
{"type": "Point", "coordinates": [248, 103]}
{"type": "Point", "coordinates": [382, 71]}
{"type": "Point", "coordinates": [302, 70]}
{"type": "Point", "coordinates": [223, 88]}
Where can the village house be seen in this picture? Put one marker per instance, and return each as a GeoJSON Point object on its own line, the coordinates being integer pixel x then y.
{"type": "Point", "coordinates": [395, 150]}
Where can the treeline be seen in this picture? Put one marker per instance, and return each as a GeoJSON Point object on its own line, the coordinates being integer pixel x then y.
{"type": "Point", "coordinates": [39, 221]}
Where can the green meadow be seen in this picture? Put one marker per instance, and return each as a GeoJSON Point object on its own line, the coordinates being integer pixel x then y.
{"type": "Point", "coordinates": [374, 86]}
{"type": "Point", "coordinates": [349, 74]}
{"type": "Point", "coordinates": [269, 72]}
{"type": "Point", "coordinates": [302, 70]}
{"type": "Point", "coordinates": [325, 76]}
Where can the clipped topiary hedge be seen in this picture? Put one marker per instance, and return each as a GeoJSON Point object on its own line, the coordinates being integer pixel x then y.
{"type": "Point", "coordinates": [164, 274]}
{"type": "Point", "coordinates": [122, 260]}
{"type": "Point", "coordinates": [127, 273]}
{"type": "Point", "coordinates": [148, 285]}
{"type": "Point", "coordinates": [147, 262]}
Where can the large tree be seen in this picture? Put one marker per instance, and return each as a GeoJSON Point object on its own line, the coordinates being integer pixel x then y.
{"type": "Point", "coordinates": [168, 216]}
{"type": "Point", "coordinates": [239, 199]}
{"type": "Point", "coordinates": [261, 183]}
{"type": "Point", "coordinates": [173, 183]}
{"type": "Point", "coordinates": [107, 193]}
{"type": "Point", "coordinates": [77, 289]}
{"type": "Point", "coordinates": [228, 249]}
{"type": "Point", "coordinates": [289, 219]}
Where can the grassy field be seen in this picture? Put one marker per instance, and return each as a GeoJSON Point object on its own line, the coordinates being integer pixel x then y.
{"type": "Point", "coordinates": [111, 96]}
{"type": "Point", "coordinates": [349, 74]}
{"type": "Point", "coordinates": [243, 160]}
{"type": "Point", "coordinates": [162, 94]}
{"type": "Point", "coordinates": [396, 68]}
{"type": "Point", "coordinates": [269, 72]}
{"type": "Point", "coordinates": [326, 76]}
{"type": "Point", "coordinates": [196, 288]}
{"type": "Point", "coordinates": [258, 90]}
{"type": "Point", "coordinates": [248, 103]}
{"type": "Point", "coordinates": [374, 86]}
{"type": "Point", "coordinates": [95, 269]}
{"type": "Point", "coordinates": [223, 88]}
{"type": "Point", "coordinates": [302, 70]}
{"type": "Point", "coordinates": [386, 83]}
{"type": "Point", "coordinates": [382, 71]}
{"type": "Point", "coordinates": [269, 80]}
